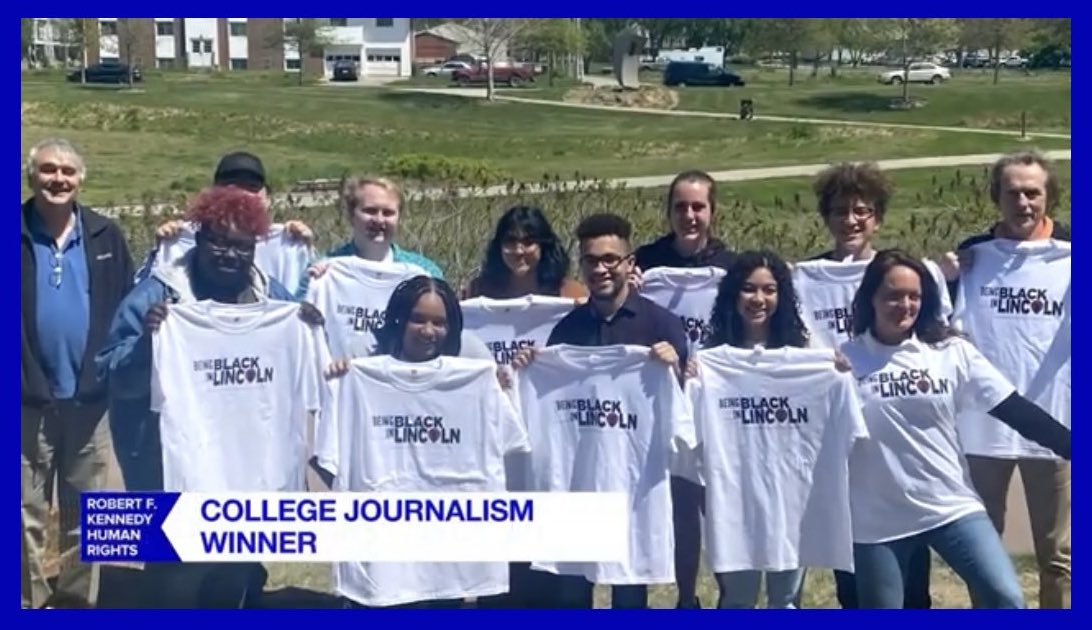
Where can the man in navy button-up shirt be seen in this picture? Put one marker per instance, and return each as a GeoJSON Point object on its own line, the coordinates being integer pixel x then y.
{"type": "Point", "coordinates": [613, 314]}
{"type": "Point", "coordinates": [75, 270]}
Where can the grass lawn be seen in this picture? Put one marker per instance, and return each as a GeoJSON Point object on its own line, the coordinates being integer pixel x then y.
{"type": "Point", "coordinates": [970, 99]}
{"type": "Point", "coordinates": [946, 588]}
{"type": "Point", "coordinates": [164, 137]}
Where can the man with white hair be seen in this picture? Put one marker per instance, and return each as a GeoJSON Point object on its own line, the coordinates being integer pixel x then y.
{"type": "Point", "coordinates": [76, 268]}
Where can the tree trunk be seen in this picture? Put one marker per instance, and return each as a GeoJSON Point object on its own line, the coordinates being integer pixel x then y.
{"type": "Point", "coordinates": [489, 87]}
{"type": "Point", "coordinates": [550, 72]}
{"type": "Point", "coordinates": [834, 64]}
{"type": "Point", "coordinates": [996, 64]}
{"type": "Point", "coordinates": [906, 81]}
{"type": "Point", "coordinates": [792, 68]}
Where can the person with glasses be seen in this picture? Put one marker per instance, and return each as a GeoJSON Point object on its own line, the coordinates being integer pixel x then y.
{"type": "Point", "coordinates": [244, 171]}
{"type": "Point", "coordinates": [76, 268]}
{"type": "Point", "coordinates": [525, 257]}
{"type": "Point", "coordinates": [614, 314]}
{"type": "Point", "coordinates": [220, 267]}
{"type": "Point", "coordinates": [852, 200]}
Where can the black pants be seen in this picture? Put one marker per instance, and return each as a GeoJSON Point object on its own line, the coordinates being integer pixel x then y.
{"type": "Point", "coordinates": [916, 591]}
{"type": "Point", "coordinates": [523, 586]}
{"type": "Point", "coordinates": [206, 584]}
{"type": "Point", "coordinates": [573, 591]}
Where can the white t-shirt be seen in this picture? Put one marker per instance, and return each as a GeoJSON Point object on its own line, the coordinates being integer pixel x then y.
{"type": "Point", "coordinates": [688, 293]}
{"type": "Point", "coordinates": [353, 295]}
{"type": "Point", "coordinates": [606, 419]}
{"type": "Point", "coordinates": [775, 430]}
{"type": "Point", "coordinates": [439, 426]}
{"type": "Point", "coordinates": [233, 384]}
{"type": "Point", "coordinates": [278, 255]}
{"type": "Point", "coordinates": [508, 326]}
{"type": "Point", "coordinates": [910, 475]}
{"type": "Point", "coordinates": [825, 289]}
{"type": "Point", "coordinates": [1014, 304]}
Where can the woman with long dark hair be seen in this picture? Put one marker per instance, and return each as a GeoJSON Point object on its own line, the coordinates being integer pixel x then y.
{"type": "Point", "coordinates": [525, 257]}
{"type": "Point", "coordinates": [756, 305]}
{"type": "Point", "coordinates": [908, 487]}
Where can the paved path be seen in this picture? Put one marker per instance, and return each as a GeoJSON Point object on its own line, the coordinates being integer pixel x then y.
{"type": "Point", "coordinates": [316, 199]}
{"type": "Point", "coordinates": [505, 96]}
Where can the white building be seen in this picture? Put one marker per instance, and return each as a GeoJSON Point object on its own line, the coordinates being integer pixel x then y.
{"type": "Point", "coordinates": [379, 46]}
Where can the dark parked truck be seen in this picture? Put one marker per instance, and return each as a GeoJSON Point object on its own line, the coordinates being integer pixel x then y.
{"type": "Point", "coordinates": [513, 75]}
{"type": "Point", "coordinates": [106, 73]}
{"type": "Point", "coordinates": [683, 73]}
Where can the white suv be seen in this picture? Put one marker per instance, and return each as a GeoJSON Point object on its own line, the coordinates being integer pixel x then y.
{"type": "Point", "coordinates": [920, 72]}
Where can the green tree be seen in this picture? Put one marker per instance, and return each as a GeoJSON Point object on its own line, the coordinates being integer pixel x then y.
{"type": "Point", "coordinates": [555, 39]}
{"type": "Point", "coordinates": [731, 33]}
{"type": "Point", "coordinates": [918, 37]}
{"type": "Point", "coordinates": [995, 35]}
{"type": "Point", "coordinates": [491, 36]}
{"type": "Point", "coordinates": [26, 39]}
{"type": "Point", "coordinates": [785, 35]}
{"type": "Point", "coordinates": [662, 31]}
{"type": "Point", "coordinates": [305, 36]}
{"type": "Point", "coordinates": [76, 36]}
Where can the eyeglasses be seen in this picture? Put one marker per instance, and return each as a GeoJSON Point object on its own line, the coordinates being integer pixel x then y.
{"type": "Point", "coordinates": [860, 213]}
{"type": "Point", "coordinates": [609, 261]}
{"type": "Point", "coordinates": [57, 269]}
{"type": "Point", "coordinates": [220, 245]}
{"type": "Point", "coordinates": [512, 244]}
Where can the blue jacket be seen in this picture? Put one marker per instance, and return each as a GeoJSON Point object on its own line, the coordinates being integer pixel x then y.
{"type": "Point", "coordinates": [126, 362]}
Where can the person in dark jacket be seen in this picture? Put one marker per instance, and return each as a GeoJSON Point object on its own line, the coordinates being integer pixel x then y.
{"type": "Point", "coordinates": [691, 205]}
{"type": "Point", "coordinates": [76, 268]}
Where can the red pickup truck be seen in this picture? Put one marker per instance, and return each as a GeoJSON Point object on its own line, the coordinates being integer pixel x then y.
{"type": "Point", "coordinates": [513, 75]}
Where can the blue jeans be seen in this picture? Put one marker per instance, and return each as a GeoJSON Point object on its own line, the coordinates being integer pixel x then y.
{"type": "Point", "coordinates": [739, 589]}
{"type": "Point", "coordinates": [969, 545]}
{"type": "Point", "coordinates": [916, 583]}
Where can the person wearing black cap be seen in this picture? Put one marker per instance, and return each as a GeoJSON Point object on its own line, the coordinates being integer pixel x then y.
{"type": "Point", "coordinates": [239, 169]}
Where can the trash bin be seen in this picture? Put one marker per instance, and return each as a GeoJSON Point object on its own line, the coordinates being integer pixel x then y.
{"type": "Point", "coordinates": [746, 109]}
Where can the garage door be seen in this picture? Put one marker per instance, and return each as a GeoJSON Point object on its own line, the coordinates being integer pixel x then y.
{"type": "Point", "coordinates": [383, 63]}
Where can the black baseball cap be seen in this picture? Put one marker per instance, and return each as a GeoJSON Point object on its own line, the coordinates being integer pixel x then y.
{"type": "Point", "coordinates": [240, 168]}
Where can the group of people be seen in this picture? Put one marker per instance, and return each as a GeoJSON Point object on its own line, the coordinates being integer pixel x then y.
{"type": "Point", "coordinates": [914, 347]}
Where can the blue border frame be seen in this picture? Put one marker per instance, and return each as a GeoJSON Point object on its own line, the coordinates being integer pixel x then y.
{"type": "Point", "coordinates": [270, 618]}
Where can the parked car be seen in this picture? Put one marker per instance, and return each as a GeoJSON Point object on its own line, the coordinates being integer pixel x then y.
{"type": "Point", "coordinates": [345, 70]}
{"type": "Point", "coordinates": [513, 75]}
{"type": "Point", "coordinates": [683, 73]}
{"type": "Point", "coordinates": [468, 59]}
{"type": "Point", "coordinates": [1015, 61]}
{"type": "Point", "coordinates": [920, 72]}
{"type": "Point", "coordinates": [105, 73]}
{"type": "Point", "coordinates": [445, 69]}
{"type": "Point", "coordinates": [975, 60]}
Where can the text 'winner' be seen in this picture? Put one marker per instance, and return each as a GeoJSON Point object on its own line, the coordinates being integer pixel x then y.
{"type": "Point", "coordinates": [343, 526]}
